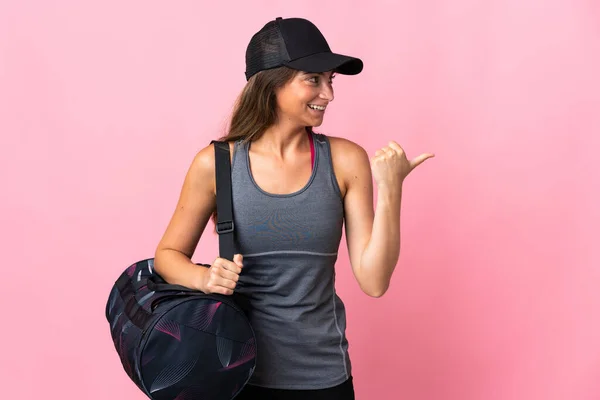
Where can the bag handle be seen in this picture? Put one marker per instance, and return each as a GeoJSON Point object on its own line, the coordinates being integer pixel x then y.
{"type": "Point", "coordinates": [225, 226]}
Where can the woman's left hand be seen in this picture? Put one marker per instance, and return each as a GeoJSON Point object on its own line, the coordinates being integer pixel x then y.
{"type": "Point", "coordinates": [390, 166]}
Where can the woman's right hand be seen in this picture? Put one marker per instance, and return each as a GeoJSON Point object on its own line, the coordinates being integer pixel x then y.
{"type": "Point", "coordinates": [222, 276]}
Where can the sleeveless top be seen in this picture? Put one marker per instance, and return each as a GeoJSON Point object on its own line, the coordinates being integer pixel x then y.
{"type": "Point", "coordinates": [289, 243]}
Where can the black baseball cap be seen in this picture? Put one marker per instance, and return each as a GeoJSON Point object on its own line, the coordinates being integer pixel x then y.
{"type": "Point", "coordinates": [298, 44]}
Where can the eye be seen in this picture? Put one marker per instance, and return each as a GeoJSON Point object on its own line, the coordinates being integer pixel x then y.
{"type": "Point", "coordinates": [316, 79]}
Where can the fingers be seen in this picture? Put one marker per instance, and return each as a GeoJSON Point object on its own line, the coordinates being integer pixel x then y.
{"type": "Point", "coordinates": [224, 275]}
{"type": "Point", "coordinates": [384, 152]}
{"type": "Point", "coordinates": [420, 159]}
{"type": "Point", "coordinates": [227, 275]}
{"type": "Point", "coordinates": [396, 147]}
{"type": "Point", "coordinates": [211, 288]}
{"type": "Point", "coordinates": [391, 149]}
{"type": "Point", "coordinates": [235, 267]}
{"type": "Point", "coordinates": [228, 270]}
{"type": "Point", "coordinates": [220, 281]}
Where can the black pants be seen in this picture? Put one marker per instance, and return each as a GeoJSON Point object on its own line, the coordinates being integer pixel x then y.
{"type": "Point", "coordinates": [344, 391]}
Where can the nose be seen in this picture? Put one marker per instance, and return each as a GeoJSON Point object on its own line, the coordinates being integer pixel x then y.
{"type": "Point", "coordinates": [327, 91]}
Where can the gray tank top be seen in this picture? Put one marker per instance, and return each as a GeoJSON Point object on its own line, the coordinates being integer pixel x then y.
{"type": "Point", "coordinates": [290, 244]}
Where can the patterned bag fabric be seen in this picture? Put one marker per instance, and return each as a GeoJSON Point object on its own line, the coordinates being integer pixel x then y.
{"type": "Point", "coordinates": [179, 343]}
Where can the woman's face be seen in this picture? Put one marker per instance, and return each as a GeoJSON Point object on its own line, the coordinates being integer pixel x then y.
{"type": "Point", "coordinates": [304, 99]}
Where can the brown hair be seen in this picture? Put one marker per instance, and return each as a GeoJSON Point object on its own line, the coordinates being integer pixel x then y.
{"type": "Point", "coordinates": [256, 107]}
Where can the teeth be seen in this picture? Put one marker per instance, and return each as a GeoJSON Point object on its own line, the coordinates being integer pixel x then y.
{"type": "Point", "coordinates": [315, 107]}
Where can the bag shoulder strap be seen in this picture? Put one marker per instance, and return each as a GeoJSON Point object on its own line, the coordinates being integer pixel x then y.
{"type": "Point", "coordinates": [225, 226]}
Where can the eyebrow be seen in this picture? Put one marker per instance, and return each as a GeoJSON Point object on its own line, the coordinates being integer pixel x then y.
{"type": "Point", "coordinates": [319, 73]}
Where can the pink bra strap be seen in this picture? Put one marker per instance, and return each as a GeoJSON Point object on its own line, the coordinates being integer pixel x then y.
{"type": "Point", "coordinates": [312, 150]}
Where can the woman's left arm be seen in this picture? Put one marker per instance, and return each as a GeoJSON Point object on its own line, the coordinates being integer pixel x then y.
{"type": "Point", "coordinates": [373, 236]}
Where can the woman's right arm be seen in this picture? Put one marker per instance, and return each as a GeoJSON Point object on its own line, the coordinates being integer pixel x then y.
{"type": "Point", "coordinates": [197, 201]}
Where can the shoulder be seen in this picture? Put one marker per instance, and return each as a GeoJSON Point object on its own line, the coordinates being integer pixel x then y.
{"type": "Point", "coordinates": [205, 158]}
{"type": "Point", "coordinates": [347, 154]}
{"type": "Point", "coordinates": [343, 145]}
{"type": "Point", "coordinates": [202, 168]}
{"type": "Point", "coordinates": [350, 163]}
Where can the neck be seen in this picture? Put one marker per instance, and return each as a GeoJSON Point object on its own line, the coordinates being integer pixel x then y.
{"type": "Point", "coordinates": [281, 139]}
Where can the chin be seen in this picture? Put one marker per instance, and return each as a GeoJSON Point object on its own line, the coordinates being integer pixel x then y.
{"type": "Point", "coordinates": [314, 124]}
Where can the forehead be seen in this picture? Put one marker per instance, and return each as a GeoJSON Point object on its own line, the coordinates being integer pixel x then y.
{"type": "Point", "coordinates": [326, 74]}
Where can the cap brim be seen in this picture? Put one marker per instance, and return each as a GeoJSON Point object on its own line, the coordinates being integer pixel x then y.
{"type": "Point", "coordinates": [323, 62]}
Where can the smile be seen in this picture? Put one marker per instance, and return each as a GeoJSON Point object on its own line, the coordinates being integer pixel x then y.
{"type": "Point", "coordinates": [316, 107]}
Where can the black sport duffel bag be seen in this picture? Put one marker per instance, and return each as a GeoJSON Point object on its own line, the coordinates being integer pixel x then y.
{"type": "Point", "coordinates": [179, 343]}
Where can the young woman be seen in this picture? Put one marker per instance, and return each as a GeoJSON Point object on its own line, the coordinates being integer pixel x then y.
{"type": "Point", "coordinates": [293, 191]}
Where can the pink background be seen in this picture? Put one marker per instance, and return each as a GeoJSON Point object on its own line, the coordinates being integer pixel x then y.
{"type": "Point", "coordinates": [103, 105]}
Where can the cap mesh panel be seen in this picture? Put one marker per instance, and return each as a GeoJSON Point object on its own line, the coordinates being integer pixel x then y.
{"type": "Point", "coordinates": [266, 50]}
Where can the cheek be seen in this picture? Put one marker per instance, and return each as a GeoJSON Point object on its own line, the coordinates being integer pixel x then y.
{"type": "Point", "coordinates": [284, 103]}
{"type": "Point", "coordinates": [294, 104]}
